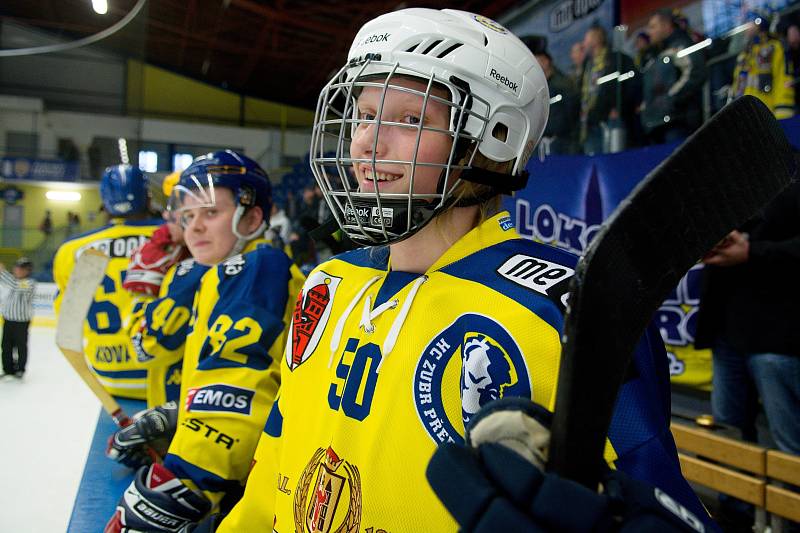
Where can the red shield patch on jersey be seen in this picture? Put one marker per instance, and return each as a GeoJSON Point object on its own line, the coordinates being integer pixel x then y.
{"type": "Point", "coordinates": [311, 313]}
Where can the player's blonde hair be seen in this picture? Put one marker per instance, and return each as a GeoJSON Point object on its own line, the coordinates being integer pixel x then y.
{"type": "Point", "coordinates": [467, 189]}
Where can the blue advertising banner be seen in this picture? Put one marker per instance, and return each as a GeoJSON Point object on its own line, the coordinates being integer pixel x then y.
{"type": "Point", "coordinates": [23, 168]}
{"type": "Point", "coordinates": [564, 204]}
{"type": "Point", "coordinates": [569, 197]}
{"type": "Point", "coordinates": [563, 22]}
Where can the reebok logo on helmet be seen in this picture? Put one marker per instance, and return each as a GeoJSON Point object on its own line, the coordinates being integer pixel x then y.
{"type": "Point", "coordinates": [376, 38]}
{"type": "Point", "coordinates": [504, 80]}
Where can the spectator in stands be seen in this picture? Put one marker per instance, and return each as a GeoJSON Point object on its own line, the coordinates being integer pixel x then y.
{"type": "Point", "coordinates": [673, 83]}
{"type": "Point", "coordinates": [749, 316]}
{"type": "Point", "coordinates": [291, 205]}
{"type": "Point", "coordinates": [46, 226]}
{"type": "Point", "coordinates": [762, 71]}
{"type": "Point", "coordinates": [17, 311]}
{"type": "Point", "coordinates": [597, 99]}
{"type": "Point", "coordinates": [578, 55]}
{"type": "Point", "coordinates": [73, 223]}
{"type": "Point", "coordinates": [279, 224]}
{"type": "Point", "coordinates": [559, 135]}
{"type": "Point", "coordinates": [644, 50]}
{"type": "Point", "coordinates": [601, 91]}
{"type": "Point", "coordinates": [682, 22]}
{"type": "Point", "coordinates": [303, 249]}
{"type": "Point", "coordinates": [793, 60]}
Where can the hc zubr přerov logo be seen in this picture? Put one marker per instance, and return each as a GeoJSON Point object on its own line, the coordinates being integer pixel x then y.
{"type": "Point", "coordinates": [311, 313]}
{"type": "Point", "coordinates": [328, 495]}
{"type": "Point", "coordinates": [490, 365]}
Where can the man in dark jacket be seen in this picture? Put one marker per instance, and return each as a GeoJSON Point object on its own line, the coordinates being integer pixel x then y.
{"type": "Point", "coordinates": [564, 120]}
{"type": "Point", "coordinates": [673, 82]}
{"type": "Point", "coordinates": [750, 316]}
{"type": "Point", "coordinates": [603, 93]}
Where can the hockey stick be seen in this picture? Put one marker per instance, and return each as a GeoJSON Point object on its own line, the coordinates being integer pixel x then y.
{"type": "Point", "coordinates": [720, 177]}
{"type": "Point", "coordinates": [87, 274]}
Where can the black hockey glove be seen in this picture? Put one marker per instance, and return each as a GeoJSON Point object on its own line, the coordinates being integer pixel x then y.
{"type": "Point", "coordinates": [497, 482]}
{"type": "Point", "coordinates": [149, 433]}
{"type": "Point", "coordinates": [157, 501]}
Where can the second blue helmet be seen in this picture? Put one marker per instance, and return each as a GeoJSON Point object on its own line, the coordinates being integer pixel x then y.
{"type": "Point", "coordinates": [230, 170]}
{"type": "Point", "coordinates": [123, 189]}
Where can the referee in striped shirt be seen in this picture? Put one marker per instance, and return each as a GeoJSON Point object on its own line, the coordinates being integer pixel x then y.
{"type": "Point", "coordinates": [17, 309]}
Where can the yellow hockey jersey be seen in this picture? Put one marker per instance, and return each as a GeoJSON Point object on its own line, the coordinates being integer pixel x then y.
{"type": "Point", "coordinates": [159, 327]}
{"type": "Point", "coordinates": [383, 366]}
{"type": "Point", "coordinates": [107, 344]}
{"type": "Point", "coordinates": [761, 71]}
{"type": "Point", "coordinates": [230, 371]}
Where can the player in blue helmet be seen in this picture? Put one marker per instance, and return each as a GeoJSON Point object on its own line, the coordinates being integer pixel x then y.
{"type": "Point", "coordinates": [230, 370]}
{"type": "Point", "coordinates": [123, 190]}
{"type": "Point", "coordinates": [230, 170]}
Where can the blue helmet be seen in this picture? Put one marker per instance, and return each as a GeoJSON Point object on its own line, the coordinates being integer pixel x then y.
{"type": "Point", "coordinates": [123, 189]}
{"type": "Point", "coordinates": [229, 170]}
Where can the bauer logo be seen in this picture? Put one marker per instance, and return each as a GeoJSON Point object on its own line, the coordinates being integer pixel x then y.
{"type": "Point", "coordinates": [534, 273]}
{"type": "Point", "coordinates": [490, 364]}
{"type": "Point", "coordinates": [220, 398]}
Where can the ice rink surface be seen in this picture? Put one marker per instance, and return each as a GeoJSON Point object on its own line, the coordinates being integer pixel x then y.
{"type": "Point", "coordinates": [48, 419]}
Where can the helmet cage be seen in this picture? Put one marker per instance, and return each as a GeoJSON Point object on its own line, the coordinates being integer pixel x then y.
{"type": "Point", "coordinates": [373, 218]}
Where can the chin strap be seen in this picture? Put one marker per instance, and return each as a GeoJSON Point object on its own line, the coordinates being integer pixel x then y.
{"type": "Point", "coordinates": [242, 240]}
{"type": "Point", "coordinates": [508, 184]}
{"type": "Point", "coordinates": [501, 183]}
{"type": "Point", "coordinates": [324, 230]}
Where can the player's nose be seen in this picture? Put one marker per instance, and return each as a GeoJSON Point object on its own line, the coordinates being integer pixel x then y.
{"type": "Point", "coordinates": [372, 139]}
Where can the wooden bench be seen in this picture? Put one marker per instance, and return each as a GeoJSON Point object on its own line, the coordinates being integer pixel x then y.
{"type": "Point", "coordinates": [742, 470]}
{"type": "Point", "coordinates": [781, 501]}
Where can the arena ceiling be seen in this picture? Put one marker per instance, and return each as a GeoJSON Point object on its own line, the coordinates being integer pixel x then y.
{"type": "Point", "coordinates": [282, 50]}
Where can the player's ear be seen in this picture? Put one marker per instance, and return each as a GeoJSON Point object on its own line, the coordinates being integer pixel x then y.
{"type": "Point", "coordinates": [251, 220]}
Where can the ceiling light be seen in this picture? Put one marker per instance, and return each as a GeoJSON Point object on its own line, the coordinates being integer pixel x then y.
{"type": "Point", "coordinates": [100, 6]}
{"type": "Point", "coordinates": [63, 196]}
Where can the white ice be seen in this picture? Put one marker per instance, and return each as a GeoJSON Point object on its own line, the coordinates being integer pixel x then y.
{"type": "Point", "coordinates": [47, 419]}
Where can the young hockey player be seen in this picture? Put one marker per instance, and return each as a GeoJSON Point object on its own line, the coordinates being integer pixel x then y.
{"type": "Point", "coordinates": [394, 348]}
{"type": "Point", "coordinates": [108, 350]}
{"type": "Point", "coordinates": [164, 278]}
{"type": "Point", "coordinates": [230, 370]}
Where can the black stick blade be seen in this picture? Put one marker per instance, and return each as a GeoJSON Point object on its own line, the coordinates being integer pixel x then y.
{"type": "Point", "coordinates": [720, 177]}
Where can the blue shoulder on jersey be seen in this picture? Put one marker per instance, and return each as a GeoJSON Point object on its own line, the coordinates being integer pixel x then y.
{"type": "Point", "coordinates": [252, 288]}
{"type": "Point", "coordinates": [373, 257]}
{"type": "Point", "coordinates": [204, 479]}
{"type": "Point", "coordinates": [533, 274]}
{"type": "Point", "coordinates": [639, 428]}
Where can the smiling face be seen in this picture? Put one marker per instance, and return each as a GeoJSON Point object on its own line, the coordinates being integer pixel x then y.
{"type": "Point", "coordinates": [397, 143]}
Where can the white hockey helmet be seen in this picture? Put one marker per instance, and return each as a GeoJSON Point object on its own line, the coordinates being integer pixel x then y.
{"type": "Point", "coordinates": [498, 105]}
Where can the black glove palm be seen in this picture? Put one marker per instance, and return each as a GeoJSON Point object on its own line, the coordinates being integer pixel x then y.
{"type": "Point", "coordinates": [150, 431]}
